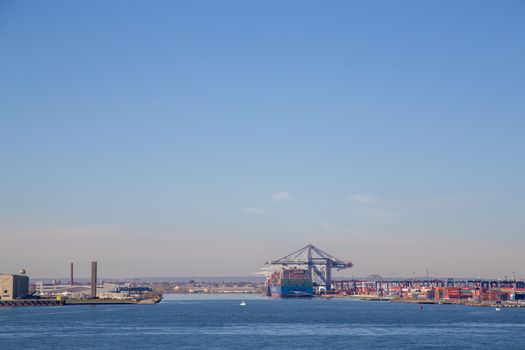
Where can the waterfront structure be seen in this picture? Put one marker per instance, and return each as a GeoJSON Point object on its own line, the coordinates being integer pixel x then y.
{"type": "Point", "coordinates": [439, 289]}
{"type": "Point", "coordinates": [105, 290]}
{"type": "Point", "coordinates": [318, 263]}
{"type": "Point", "coordinates": [53, 290]}
{"type": "Point", "coordinates": [13, 286]}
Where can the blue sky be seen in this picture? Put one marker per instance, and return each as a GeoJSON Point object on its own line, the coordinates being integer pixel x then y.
{"type": "Point", "coordinates": [146, 134]}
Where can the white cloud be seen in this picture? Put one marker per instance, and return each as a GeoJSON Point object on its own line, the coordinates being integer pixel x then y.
{"type": "Point", "coordinates": [364, 198]}
{"type": "Point", "coordinates": [253, 210]}
{"type": "Point", "coordinates": [281, 196]}
{"type": "Point", "coordinates": [327, 226]}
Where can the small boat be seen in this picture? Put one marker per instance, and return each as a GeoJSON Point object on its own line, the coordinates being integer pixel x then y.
{"type": "Point", "coordinates": [497, 308]}
{"type": "Point", "coordinates": [243, 303]}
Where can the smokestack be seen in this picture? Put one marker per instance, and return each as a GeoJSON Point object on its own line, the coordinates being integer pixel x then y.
{"type": "Point", "coordinates": [71, 275]}
{"type": "Point", "coordinates": [93, 279]}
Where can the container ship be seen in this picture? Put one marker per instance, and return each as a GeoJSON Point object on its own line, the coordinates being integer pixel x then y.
{"type": "Point", "coordinates": [290, 283]}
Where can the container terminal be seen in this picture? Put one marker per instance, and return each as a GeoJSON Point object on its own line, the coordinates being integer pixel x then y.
{"type": "Point", "coordinates": [481, 292]}
{"type": "Point", "coordinates": [307, 272]}
{"type": "Point", "coordinates": [303, 273]}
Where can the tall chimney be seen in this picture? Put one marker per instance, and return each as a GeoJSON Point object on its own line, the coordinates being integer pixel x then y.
{"type": "Point", "coordinates": [71, 275]}
{"type": "Point", "coordinates": [93, 279]}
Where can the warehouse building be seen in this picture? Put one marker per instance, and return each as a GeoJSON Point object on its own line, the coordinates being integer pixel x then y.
{"type": "Point", "coordinates": [13, 286]}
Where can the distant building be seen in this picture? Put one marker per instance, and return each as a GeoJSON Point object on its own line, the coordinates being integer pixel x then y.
{"type": "Point", "coordinates": [13, 286]}
{"type": "Point", "coordinates": [51, 290]}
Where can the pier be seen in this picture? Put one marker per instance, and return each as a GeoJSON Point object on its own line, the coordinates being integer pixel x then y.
{"type": "Point", "coordinates": [31, 302]}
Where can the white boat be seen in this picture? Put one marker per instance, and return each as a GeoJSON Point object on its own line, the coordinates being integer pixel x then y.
{"type": "Point", "coordinates": [497, 308]}
{"type": "Point", "coordinates": [243, 303]}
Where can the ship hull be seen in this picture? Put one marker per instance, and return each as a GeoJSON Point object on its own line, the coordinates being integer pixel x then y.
{"type": "Point", "coordinates": [291, 292]}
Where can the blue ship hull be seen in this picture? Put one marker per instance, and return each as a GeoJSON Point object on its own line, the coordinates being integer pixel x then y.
{"type": "Point", "coordinates": [291, 291]}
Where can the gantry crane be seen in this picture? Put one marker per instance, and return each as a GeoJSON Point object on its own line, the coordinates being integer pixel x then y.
{"type": "Point", "coordinates": [318, 262]}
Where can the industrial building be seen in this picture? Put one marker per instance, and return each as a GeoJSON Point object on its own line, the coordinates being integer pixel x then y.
{"type": "Point", "coordinates": [104, 291]}
{"type": "Point", "coordinates": [13, 286]}
{"type": "Point", "coordinates": [94, 290]}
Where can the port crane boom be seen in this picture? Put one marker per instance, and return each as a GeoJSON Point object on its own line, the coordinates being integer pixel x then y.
{"type": "Point", "coordinates": [318, 262]}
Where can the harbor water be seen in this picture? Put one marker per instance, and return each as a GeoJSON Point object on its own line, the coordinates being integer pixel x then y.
{"type": "Point", "coordinates": [215, 322]}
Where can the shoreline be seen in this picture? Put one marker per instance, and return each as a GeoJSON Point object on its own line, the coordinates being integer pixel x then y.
{"type": "Point", "coordinates": [74, 302]}
{"type": "Point", "coordinates": [506, 304]}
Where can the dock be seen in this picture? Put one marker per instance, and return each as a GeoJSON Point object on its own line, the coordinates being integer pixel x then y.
{"type": "Point", "coordinates": [70, 302]}
{"type": "Point", "coordinates": [112, 301]}
{"type": "Point", "coordinates": [506, 304]}
{"type": "Point", "coordinates": [31, 302]}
